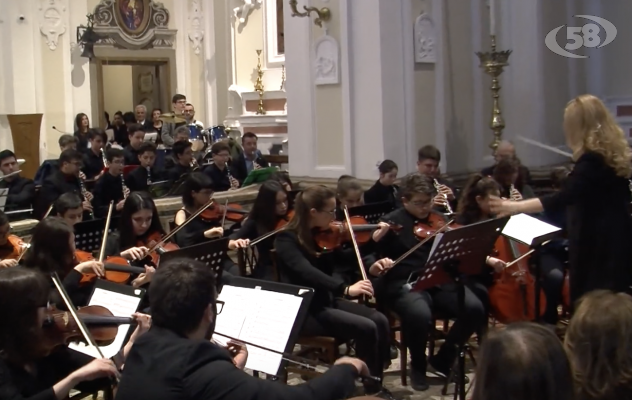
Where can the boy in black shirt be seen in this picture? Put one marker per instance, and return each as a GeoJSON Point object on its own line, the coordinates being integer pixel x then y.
{"type": "Point", "coordinates": [143, 176]}
{"type": "Point", "coordinates": [93, 158]}
{"type": "Point", "coordinates": [136, 135]}
{"type": "Point", "coordinates": [111, 185]}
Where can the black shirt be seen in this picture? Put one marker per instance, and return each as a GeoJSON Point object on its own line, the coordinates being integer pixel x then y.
{"type": "Point", "coordinates": [82, 141]}
{"type": "Point", "coordinates": [92, 164]}
{"type": "Point", "coordinates": [220, 178]}
{"type": "Point", "coordinates": [54, 186]}
{"type": "Point", "coordinates": [108, 188]}
{"type": "Point", "coordinates": [193, 232]}
{"type": "Point", "coordinates": [165, 366]}
{"type": "Point", "coordinates": [131, 156]}
{"type": "Point", "coordinates": [249, 230]}
{"type": "Point", "coordinates": [175, 173]}
{"type": "Point", "coordinates": [120, 135]}
{"type": "Point", "coordinates": [20, 196]}
{"type": "Point", "coordinates": [379, 193]}
{"type": "Point", "coordinates": [137, 179]}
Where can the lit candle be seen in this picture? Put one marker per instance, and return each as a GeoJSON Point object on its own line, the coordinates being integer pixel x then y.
{"type": "Point", "coordinates": [492, 17]}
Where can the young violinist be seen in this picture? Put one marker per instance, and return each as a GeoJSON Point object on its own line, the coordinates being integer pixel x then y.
{"type": "Point", "coordinates": [140, 178]}
{"type": "Point", "coordinates": [176, 359]}
{"type": "Point", "coordinates": [302, 262]}
{"type": "Point", "coordinates": [428, 159]}
{"type": "Point", "coordinates": [415, 308]}
{"type": "Point", "coordinates": [349, 193]}
{"type": "Point", "coordinates": [261, 221]}
{"type": "Point", "coordinates": [384, 189]}
{"type": "Point", "coordinates": [111, 185]}
{"type": "Point", "coordinates": [69, 208]}
{"type": "Point", "coordinates": [283, 178]}
{"type": "Point", "coordinates": [136, 135]}
{"type": "Point", "coordinates": [219, 171]}
{"type": "Point", "coordinates": [32, 365]}
{"type": "Point", "coordinates": [183, 156]}
{"type": "Point", "coordinates": [93, 158]}
{"type": "Point", "coordinates": [10, 248]}
{"type": "Point", "coordinates": [596, 195]}
{"type": "Point", "coordinates": [53, 250]}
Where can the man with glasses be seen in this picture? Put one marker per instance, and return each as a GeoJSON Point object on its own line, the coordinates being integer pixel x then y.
{"type": "Point", "coordinates": [177, 360]}
{"type": "Point", "coordinates": [415, 309]}
{"type": "Point", "coordinates": [179, 102]}
{"type": "Point", "coordinates": [111, 186]}
{"type": "Point", "coordinates": [63, 180]}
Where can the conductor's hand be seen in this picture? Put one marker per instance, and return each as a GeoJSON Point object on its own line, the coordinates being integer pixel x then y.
{"type": "Point", "coordinates": [381, 266]}
{"type": "Point", "coordinates": [238, 244]}
{"type": "Point", "coordinates": [94, 267]}
{"type": "Point", "coordinates": [381, 232]}
{"type": "Point", "coordinates": [501, 207]}
{"type": "Point", "coordinates": [361, 287]}
{"type": "Point", "coordinates": [214, 232]}
{"type": "Point", "coordinates": [135, 253]}
{"type": "Point", "coordinates": [356, 362]}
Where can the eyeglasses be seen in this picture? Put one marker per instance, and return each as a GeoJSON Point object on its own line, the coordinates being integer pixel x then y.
{"type": "Point", "coordinates": [219, 306]}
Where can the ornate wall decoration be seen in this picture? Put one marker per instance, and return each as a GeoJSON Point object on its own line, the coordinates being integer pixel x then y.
{"type": "Point", "coordinates": [133, 24]}
{"type": "Point", "coordinates": [244, 9]}
{"type": "Point", "coordinates": [425, 39]}
{"type": "Point", "coordinates": [196, 30]}
{"type": "Point", "coordinates": [326, 61]}
{"type": "Point", "coordinates": [51, 21]}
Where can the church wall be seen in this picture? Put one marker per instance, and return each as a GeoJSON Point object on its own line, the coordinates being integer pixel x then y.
{"type": "Point", "coordinates": [248, 40]}
{"type": "Point", "coordinates": [616, 57]}
{"type": "Point", "coordinates": [119, 77]}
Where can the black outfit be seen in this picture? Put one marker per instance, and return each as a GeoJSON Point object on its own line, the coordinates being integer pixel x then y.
{"type": "Point", "coordinates": [240, 169]}
{"type": "Point", "coordinates": [148, 125]}
{"type": "Point", "coordinates": [131, 156]}
{"type": "Point", "coordinates": [599, 226]}
{"type": "Point", "coordinates": [16, 383]}
{"type": "Point", "coordinates": [108, 188]}
{"type": "Point", "coordinates": [523, 172]}
{"type": "Point", "coordinates": [379, 193]}
{"type": "Point", "coordinates": [220, 178]}
{"type": "Point", "coordinates": [45, 170]}
{"type": "Point", "coordinates": [20, 196]}
{"type": "Point", "coordinates": [54, 186]}
{"type": "Point", "coordinates": [137, 179]}
{"type": "Point", "coordinates": [165, 366]}
{"type": "Point", "coordinates": [82, 141]}
{"type": "Point", "coordinates": [329, 314]}
{"type": "Point", "coordinates": [120, 135]}
{"type": "Point", "coordinates": [174, 173]}
{"type": "Point", "coordinates": [263, 268]}
{"type": "Point", "coordinates": [92, 164]}
{"type": "Point", "coordinates": [416, 308]}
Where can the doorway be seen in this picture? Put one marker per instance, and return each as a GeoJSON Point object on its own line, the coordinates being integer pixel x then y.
{"type": "Point", "coordinates": [125, 83]}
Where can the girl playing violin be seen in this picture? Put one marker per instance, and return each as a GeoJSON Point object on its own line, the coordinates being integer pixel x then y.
{"type": "Point", "coordinates": [10, 245]}
{"type": "Point", "coordinates": [269, 213]}
{"type": "Point", "coordinates": [384, 189]}
{"type": "Point", "coordinates": [596, 196]}
{"type": "Point", "coordinates": [283, 178]}
{"type": "Point", "coordinates": [302, 263]}
{"type": "Point", "coordinates": [349, 193]}
{"type": "Point", "coordinates": [31, 369]}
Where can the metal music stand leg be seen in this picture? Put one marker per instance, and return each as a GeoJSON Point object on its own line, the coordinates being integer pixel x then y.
{"type": "Point", "coordinates": [452, 269]}
{"type": "Point", "coordinates": [534, 261]}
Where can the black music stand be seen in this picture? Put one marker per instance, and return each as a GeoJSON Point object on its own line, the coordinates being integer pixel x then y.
{"type": "Point", "coordinates": [178, 186]}
{"type": "Point", "coordinates": [371, 212]}
{"type": "Point", "coordinates": [534, 233]}
{"type": "Point", "coordinates": [210, 253]}
{"type": "Point", "coordinates": [455, 255]}
{"type": "Point", "coordinates": [89, 234]}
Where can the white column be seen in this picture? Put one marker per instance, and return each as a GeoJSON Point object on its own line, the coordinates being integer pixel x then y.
{"type": "Point", "coordinates": [440, 123]}
{"type": "Point", "coordinates": [180, 19]}
{"type": "Point", "coordinates": [481, 41]}
{"type": "Point", "coordinates": [594, 67]}
{"type": "Point", "coordinates": [77, 68]}
{"type": "Point", "coordinates": [209, 66]}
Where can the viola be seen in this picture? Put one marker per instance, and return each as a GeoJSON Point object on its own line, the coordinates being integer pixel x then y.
{"type": "Point", "coordinates": [339, 233]}
{"type": "Point", "coordinates": [215, 212]}
{"type": "Point", "coordinates": [512, 296]}
{"type": "Point", "coordinates": [13, 249]}
{"type": "Point", "coordinates": [566, 292]}
{"type": "Point", "coordinates": [115, 271]}
{"type": "Point", "coordinates": [426, 229]}
{"type": "Point", "coordinates": [151, 241]}
{"type": "Point", "coordinates": [60, 327]}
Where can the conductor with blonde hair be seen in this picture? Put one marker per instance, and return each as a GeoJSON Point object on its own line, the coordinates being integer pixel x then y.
{"type": "Point", "coordinates": [596, 196]}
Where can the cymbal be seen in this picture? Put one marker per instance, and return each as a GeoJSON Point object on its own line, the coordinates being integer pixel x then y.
{"type": "Point", "coordinates": [171, 118]}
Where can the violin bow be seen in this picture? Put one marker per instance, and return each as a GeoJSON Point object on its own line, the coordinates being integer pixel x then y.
{"type": "Point", "coordinates": [105, 232]}
{"type": "Point", "coordinates": [422, 242]}
{"type": "Point", "coordinates": [355, 243]}
{"type": "Point", "coordinates": [303, 362]}
{"type": "Point", "coordinates": [225, 211]}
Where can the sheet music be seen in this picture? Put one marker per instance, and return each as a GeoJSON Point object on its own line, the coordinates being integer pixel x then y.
{"type": "Point", "coordinates": [3, 197]}
{"type": "Point", "coordinates": [260, 317]}
{"type": "Point", "coordinates": [121, 305]}
{"type": "Point", "coordinates": [526, 229]}
{"type": "Point", "coordinates": [151, 137]}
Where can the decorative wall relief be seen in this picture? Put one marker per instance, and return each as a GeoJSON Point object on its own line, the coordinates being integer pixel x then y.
{"type": "Point", "coordinates": [133, 24]}
{"type": "Point", "coordinates": [326, 61]}
{"type": "Point", "coordinates": [242, 12]}
{"type": "Point", "coordinates": [196, 30]}
{"type": "Point", "coordinates": [51, 21]}
{"type": "Point", "coordinates": [425, 39]}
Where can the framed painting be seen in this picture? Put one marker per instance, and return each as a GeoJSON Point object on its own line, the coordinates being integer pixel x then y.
{"type": "Point", "coordinates": [132, 16]}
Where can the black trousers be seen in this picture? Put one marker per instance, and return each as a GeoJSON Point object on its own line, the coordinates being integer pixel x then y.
{"type": "Point", "coordinates": [415, 310]}
{"type": "Point", "coordinates": [352, 321]}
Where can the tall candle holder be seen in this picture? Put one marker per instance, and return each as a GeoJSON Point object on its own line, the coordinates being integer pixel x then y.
{"type": "Point", "coordinates": [283, 78]}
{"type": "Point", "coordinates": [493, 63]}
{"type": "Point", "coordinates": [259, 85]}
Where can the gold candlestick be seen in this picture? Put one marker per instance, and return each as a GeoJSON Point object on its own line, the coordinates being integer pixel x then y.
{"type": "Point", "coordinates": [259, 85]}
{"type": "Point", "coordinates": [493, 63]}
{"type": "Point", "coordinates": [283, 78]}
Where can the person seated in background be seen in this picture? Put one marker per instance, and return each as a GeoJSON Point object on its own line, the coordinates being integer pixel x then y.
{"type": "Point", "coordinates": [66, 142]}
{"type": "Point", "coordinates": [189, 115]}
{"type": "Point", "coordinates": [140, 178]}
{"type": "Point", "coordinates": [181, 134]}
{"type": "Point", "coordinates": [69, 207]}
{"type": "Point", "coordinates": [93, 158]}
{"type": "Point", "coordinates": [384, 189]}
{"type": "Point", "coordinates": [140, 111]}
{"type": "Point", "coordinates": [136, 135]}
{"type": "Point", "coordinates": [111, 186]}
{"type": "Point", "coordinates": [428, 159]}
{"type": "Point", "coordinates": [219, 171]}
{"type": "Point", "coordinates": [120, 130]}
{"type": "Point", "coordinates": [349, 193]}
{"type": "Point", "coordinates": [283, 177]}
{"type": "Point", "coordinates": [249, 160]}
{"type": "Point", "coordinates": [599, 344]}
{"type": "Point", "coordinates": [21, 192]}
{"type": "Point", "coordinates": [523, 361]}
{"type": "Point", "coordinates": [82, 125]}
{"type": "Point", "coordinates": [167, 134]}
{"type": "Point", "coordinates": [183, 156]}
{"type": "Point", "coordinates": [176, 359]}
{"type": "Point", "coordinates": [507, 150]}
{"type": "Point", "coordinates": [507, 174]}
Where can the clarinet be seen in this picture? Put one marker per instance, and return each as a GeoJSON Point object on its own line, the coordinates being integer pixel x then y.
{"type": "Point", "coordinates": [105, 159]}
{"type": "Point", "coordinates": [234, 183]}
{"type": "Point", "coordinates": [84, 193]}
{"type": "Point", "coordinates": [148, 176]}
{"type": "Point", "coordinates": [124, 187]}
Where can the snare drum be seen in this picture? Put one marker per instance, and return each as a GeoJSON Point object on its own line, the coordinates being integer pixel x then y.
{"type": "Point", "coordinates": [197, 138]}
{"type": "Point", "coordinates": [218, 133]}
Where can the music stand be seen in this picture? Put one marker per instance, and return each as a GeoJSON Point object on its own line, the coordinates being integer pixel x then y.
{"type": "Point", "coordinates": [454, 256]}
{"type": "Point", "coordinates": [371, 212]}
{"type": "Point", "coordinates": [210, 253]}
{"type": "Point", "coordinates": [89, 234]}
{"type": "Point", "coordinates": [178, 186]}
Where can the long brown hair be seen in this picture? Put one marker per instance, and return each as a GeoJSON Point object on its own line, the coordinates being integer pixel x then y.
{"type": "Point", "coordinates": [22, 292]}
{"type": "Point", "coordinates": [50, 249]}
{"type": "Point", "coordinates": [478, 185]}
{"type": "Point", "coordinates": [599, 344]}
{"type": "Point", "coordinates": [524, 361]}
{"type": "Point", "coordinates": [314, 197]}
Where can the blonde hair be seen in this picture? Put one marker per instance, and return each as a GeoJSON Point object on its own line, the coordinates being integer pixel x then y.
{"type": "Point", "coordinates": [589, 126]}
{"type": "Point", "coordinates": [599, 344]}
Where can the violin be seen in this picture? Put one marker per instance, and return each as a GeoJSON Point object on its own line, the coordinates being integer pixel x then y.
{"type": "Point", "coordinates": [284, 220]}
{"type": "Point", "coordinates": [157, 245]}
{"type": "Point", "coordinates": [339, 233]}
{"type": "Point", "coordinates": [424, 230]}
{"type": "Point", "coordinates": [13, 249]}
{"type": "Point", "coordinates": [115, 271]}
{"type": "Point", "coordinates": [234, 213]}
{"type": "Point", "coordinates": [61, 328]}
